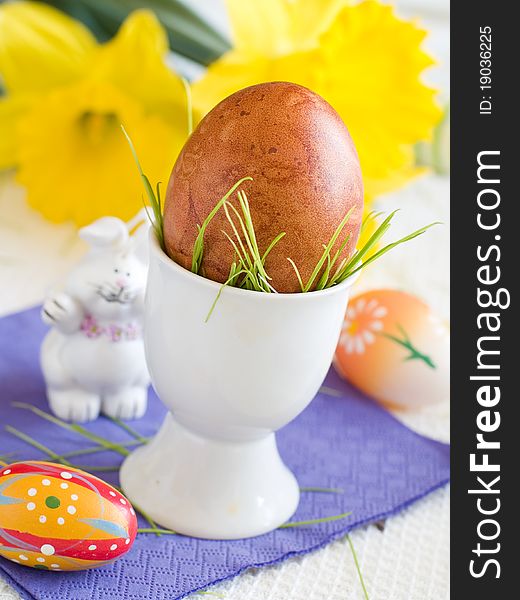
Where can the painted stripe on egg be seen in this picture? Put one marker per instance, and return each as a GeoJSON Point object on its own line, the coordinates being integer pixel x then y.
{"type": "Point", "coordinates": [71, 548]}
{"type": "Point", "coordinates": [63, 473]}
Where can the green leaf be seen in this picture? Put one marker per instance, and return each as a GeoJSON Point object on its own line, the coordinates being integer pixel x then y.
{"type": "Point", "coordinates": [189, 34]}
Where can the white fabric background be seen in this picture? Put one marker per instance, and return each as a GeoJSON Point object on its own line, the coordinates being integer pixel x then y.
{"type": "Point", "coordinates": [409, 560]}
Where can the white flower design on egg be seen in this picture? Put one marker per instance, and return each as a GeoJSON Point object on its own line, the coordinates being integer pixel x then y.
{"type": "Point", "coordinates": [362, 322]}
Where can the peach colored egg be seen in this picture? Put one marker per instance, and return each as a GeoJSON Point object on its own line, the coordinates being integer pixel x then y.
{"type": "Point", "coordinates": [395, 349]}
{"type": "Point", "coordinates": [59, 518]}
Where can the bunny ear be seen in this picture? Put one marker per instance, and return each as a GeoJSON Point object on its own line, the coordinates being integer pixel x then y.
{"type": "Point", "coordinates": [140, 225]}
{"type": "Point", "coordinates": [105, 232]}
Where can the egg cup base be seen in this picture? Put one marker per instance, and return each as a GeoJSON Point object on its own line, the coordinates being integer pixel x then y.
{"type": "Point", "coordinates": [210, 488]}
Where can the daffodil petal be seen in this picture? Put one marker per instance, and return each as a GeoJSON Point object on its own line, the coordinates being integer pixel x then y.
{"type": "Point", "coordinates": [75, 161]}
{"type": "Point", "coordinates": [229, 74]}
{"type": "Point", "coordinates": [134, 61]}
{"type": "Point", "coordinates": [41, 47]}
{"type": "Point", "coordinates": [368, 64]}
{"type": "Point", "coordinates": [11, 109]}
{"type": "Point", "coordinates": [378, 89]}
{"type": "Point", "coordinates": [275, 27]}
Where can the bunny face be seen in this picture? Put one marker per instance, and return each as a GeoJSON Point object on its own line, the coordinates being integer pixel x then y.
{"type": "Point", "coordinates": [110, 286]}
{"type": "Point", "coordinates": [110, 281]}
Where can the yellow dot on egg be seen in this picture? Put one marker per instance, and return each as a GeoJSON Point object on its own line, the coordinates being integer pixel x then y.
{"type": "Point", "coordinates": [354, 326]}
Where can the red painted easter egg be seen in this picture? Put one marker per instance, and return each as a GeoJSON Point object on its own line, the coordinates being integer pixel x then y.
{"type": "Point", "coordinates": [62, 519]}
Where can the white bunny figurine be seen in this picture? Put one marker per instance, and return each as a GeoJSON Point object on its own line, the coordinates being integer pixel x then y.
{"type": "Point", "coordinates": [93, 357]}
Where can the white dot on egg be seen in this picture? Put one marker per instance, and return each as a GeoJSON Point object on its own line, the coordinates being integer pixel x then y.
{"type": "Point", "coordinates": [61, 520]}
{"type": "Point", "coordinates": [47, 549]}
{"type": "Point", "coordinates": [92, 547]}
{"type": "Point", "coordinates": [40, 559]}
{"type": "Point", "coordinates": [55, 566]}
{"type": "Point", "coordinates": [71, 510]}
{"type": "Point", "coordinates": [112, 493]}
{"type": "Point", "coordinates": [127, 541]}
{"type": "Point", "coordinates": [74, 497]}
{"type": "Point", "coordinates": [46, 482]}
{"type": "Point", "coordinates": [122, 500]}
{"type": "Point", "coordinates": [23, 557]}
{"type": "Point", "coordinates": [66, 475]}
{"type": "Point", "coordinates": [16, 561]}
{"type": "Point", "coordinates": [32, 492]}
{"type": "Point", "coordinates": [64, 486]}
{"type": "Point", "coordinates": [6, 472]}
{"type": "Point", "coordinates": [132, 511]}
{"type": "Point", "coordinates": [31, 506]}
{"type": "Point", "coordinates": [113, 547]}
{"type": "Point", "coordinates": [42, 518]}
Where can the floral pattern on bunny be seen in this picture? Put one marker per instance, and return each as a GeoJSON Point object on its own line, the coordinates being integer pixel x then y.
{"type": "Point", "coordinates": [93, 357]}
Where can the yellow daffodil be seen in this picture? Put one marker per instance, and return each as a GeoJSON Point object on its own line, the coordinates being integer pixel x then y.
{"type": "Point", "coordinates": [66, 99]}
{"type": "Point", "coordinates": [360, 57]}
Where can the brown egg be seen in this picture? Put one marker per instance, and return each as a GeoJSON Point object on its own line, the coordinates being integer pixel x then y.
{"type": "Point", "coordinates": [306, 177]}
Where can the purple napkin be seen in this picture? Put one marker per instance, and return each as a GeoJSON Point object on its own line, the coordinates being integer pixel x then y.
{"type": "Point", "coordinates": [342, 440]}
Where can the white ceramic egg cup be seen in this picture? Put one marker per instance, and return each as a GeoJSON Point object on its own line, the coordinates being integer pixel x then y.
{"type": "Point", "coordinates": [213, 470]}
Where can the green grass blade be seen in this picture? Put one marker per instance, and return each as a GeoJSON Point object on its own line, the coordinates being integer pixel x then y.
{"type": "Point", "coordinates": [327, 250]}
{"type": "Point", "coordinates": [244, 256]}
{"type": "Point", "coordinates": [272, 245]}
{"type": "Point", "coordinates": [189, 105]}
{"type": "Point", "coordinates": [73, 427]}
{"type": "Point", "coordinates": [198, 248]}
{"type": "Point", "coordinates": [228, 282]}
{"type": "Point", "coordinates": [315, 521]}
{"type": "Point", "coordinates": [155, 201]}
{"type": "Point", "coordinates": [36, 444]}
{"type": "Point", "coordinates": [155, 530]}
{"type": "Point", "coordinates": [372, 241]}
{"type": "Point", "coordinates": [297, 271]}
{"type": "Point", "coordinates": [251, 236]}
{"type": "Point", "coordinates": [389, 247]}
{"type": "Point", "coordinates": [97, 449]}
{"type": "Point", "coordinates": [358, 568]}
{"type": "Point", "coordinates": [248, 254]}
{"type": "Point", "coordinates": [130, 430]}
